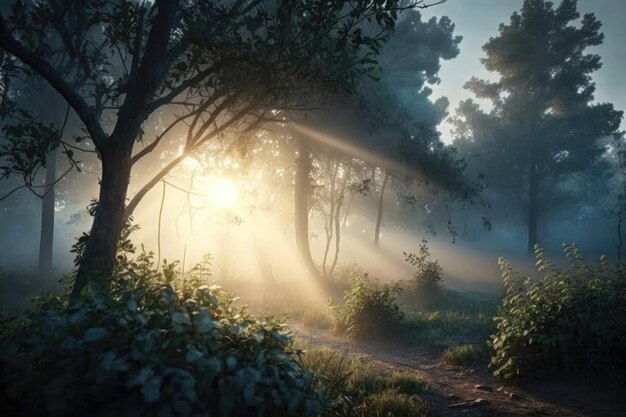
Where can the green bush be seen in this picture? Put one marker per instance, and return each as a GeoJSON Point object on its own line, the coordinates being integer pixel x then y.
{"type": "Point", "coordinates": [157, 345]}
{"type": "Point", "coordinates": [425, 288]}
{"type": "Point", "coordinates": [570, 319]}
{"type": "Point", "coordinates": [369, 310]}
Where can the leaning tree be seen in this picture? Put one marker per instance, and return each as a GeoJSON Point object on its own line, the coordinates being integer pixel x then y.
{"type": "Point", "coordinates": [188, 70]}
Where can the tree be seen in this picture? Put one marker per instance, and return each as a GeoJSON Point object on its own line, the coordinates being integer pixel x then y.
{"type": "Point", "coordinates": [215, 66]}
{"type": "Point", "coordinates": [617, 208]}
{"type": "Point", "coordinates": [543, 125]}
{"type": "Point", "coordinates": [390, 118]}
{"type": "Point", "coordinates": [34, 134]}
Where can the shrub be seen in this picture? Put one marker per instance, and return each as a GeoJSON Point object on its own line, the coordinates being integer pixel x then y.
{"type": "Point", "coordinates": [463, 356]}
{"type": "Point", "coordinates": [570, 319]}
{"type": "Point", "coordinates": [426, 285]}
{"type": "Point", "coordinates": [154, 346]}
{"type": "Point", "coordinates": [370, 310]}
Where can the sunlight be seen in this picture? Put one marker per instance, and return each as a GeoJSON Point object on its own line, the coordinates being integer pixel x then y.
{"type": "Point", "coordinates": [224, 193]}
{"type": "Point", "coordinates": [191, 163]}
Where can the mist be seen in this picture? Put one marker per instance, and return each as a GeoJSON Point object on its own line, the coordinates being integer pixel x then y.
{"type": "Point", "coordinates": [341, 208]}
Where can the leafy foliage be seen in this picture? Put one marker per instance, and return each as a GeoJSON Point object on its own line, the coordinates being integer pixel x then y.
{"type": "Point", "coordinates": [543, 126]}
{"type": "Point", "coordinates": [570, 319]}
{"type": "Point", "coordinates": [426, 286]}
{"type": "Point", "coordinates": [370, 310]}
{"type": "Point", "coordinates": [154, 346]}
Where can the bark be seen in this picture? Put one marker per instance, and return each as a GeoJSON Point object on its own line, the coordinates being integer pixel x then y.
{"type": "Point", "coordinates": [99, 254]}
{"type": "Point", "coordinates": [533, 208]}
{"type": "Point", "coordinates": [302, 188]}
{"type": "Point", "coordinates": [46, 241]}
{"type": "Point", "coordinates": [379, 214]}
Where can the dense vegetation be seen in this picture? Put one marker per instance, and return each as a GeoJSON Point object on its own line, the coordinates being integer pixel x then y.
{"type": "Point", "coordinates": [570, 319]}
{"type": "Point", "coordinates": [158, 344]}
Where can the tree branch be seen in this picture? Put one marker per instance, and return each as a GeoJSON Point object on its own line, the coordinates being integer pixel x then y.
{"type": "Point", "coordinates": [46, 71]}
{"type": "Point", "coordinates": [166, 99]}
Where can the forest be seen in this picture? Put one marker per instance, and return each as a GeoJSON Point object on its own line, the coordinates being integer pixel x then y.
{"type": "Point", "coordinates": [325, 208]}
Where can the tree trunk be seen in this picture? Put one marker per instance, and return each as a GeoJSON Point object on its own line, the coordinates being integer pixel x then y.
{"type": "Point", "coordinates": [533, 208]}
{"type": "Point", "coordinates": [98, 257]}
{"type": "Point", "coordinates": [346, 212]}
{"type": "Point", "coordinates": [379, 214]}
{"type": "Point", "coordinates": [337, 223]}
{"type": "Point", "coordinates": [46, 241]}
{"type": "Point", "coordinates": [302, 187]}
{"type": "Point", "coordinates": [331, 215]}
{"type": "Point", "coordinates": [620, 240]}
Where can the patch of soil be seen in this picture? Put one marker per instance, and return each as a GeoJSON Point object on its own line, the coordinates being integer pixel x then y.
{"type": "Point", "coordinates": [475, 393]}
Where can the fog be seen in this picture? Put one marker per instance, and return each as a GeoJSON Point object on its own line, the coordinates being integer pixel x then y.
{"type": "Point", "coordinates": [378, 160]}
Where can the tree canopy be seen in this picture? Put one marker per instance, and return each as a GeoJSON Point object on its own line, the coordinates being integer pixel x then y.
{"type": "Point", "coordinates": [544, 123]}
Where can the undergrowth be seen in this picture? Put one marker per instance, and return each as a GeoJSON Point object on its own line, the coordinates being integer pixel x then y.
{"type": "Point", "coordinates": [570, 319]}
{"type": "Point", "coordinates": [369, 310]}
{"type": "Point", "coordinates": [463, 356]}
{"type": "Point", "coordinates": [362, 390]}
{"type": "Point", "coordinates": [157, 344]}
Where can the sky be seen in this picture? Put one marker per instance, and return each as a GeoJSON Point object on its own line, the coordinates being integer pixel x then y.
{"type": "Point", "coordinates": [478, 20]}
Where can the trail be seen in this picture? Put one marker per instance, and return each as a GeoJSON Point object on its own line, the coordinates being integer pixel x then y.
{"type": "Point", "coordinates": [449, 386]}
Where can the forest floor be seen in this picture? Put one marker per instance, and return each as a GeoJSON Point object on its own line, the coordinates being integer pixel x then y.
{"type": "Point", "coordinates": [454, 392]}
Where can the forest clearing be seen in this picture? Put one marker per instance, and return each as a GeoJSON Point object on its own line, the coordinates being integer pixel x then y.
{"type": "Point", "coordinates": [325, 208]}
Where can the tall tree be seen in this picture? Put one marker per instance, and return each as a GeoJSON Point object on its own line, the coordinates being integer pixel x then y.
{"type": "Point", "coordinates": [543, 125]}
{"type": "Point", "coordinates": [393, 117]}
{"type": "Point", "coordinates": [215, 65]}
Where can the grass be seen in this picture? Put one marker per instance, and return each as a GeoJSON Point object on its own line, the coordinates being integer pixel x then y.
{"type": "Point", "coordinates": [363, 390]}
{"type": "Point", "coordinates": [446, 327]}
{"type": "Point", "coordinates": [463, 356]}
{"type": "Point", "coordinates": [312, 316]}
{"type": "Point", "coordinates": [452, 324]}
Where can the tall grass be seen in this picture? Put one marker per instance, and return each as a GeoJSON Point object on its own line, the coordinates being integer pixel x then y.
{"type": "Point", "coordinates": [362, 389]}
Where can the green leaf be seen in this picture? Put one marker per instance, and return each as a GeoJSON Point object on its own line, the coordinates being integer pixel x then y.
{"type": "Point", "coordinates": [151, 389]}
{"type": "Point", "coordinates": [94, 334]}
{"type": "Point", "coordinates": [193, 355]}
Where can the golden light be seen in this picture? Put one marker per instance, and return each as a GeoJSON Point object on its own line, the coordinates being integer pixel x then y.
{"type": "Point", "coordinates": [223, 193]}
{"type": "Point", "coordinates": [191, 163]}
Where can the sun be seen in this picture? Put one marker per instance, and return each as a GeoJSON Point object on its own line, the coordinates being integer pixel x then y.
{"type": "Point", "coordinates": [224, 193]}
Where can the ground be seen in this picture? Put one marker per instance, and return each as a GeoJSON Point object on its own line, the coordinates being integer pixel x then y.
{"type": "Point", "coordinates": [451, 389]}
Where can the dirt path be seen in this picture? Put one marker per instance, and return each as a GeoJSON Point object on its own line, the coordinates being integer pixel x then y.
{"type": "Point", "coordinates": [448, 386]}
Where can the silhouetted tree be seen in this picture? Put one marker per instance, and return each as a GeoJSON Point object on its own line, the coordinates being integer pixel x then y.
{"type": "Point", "coordinates": [543, 125]}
